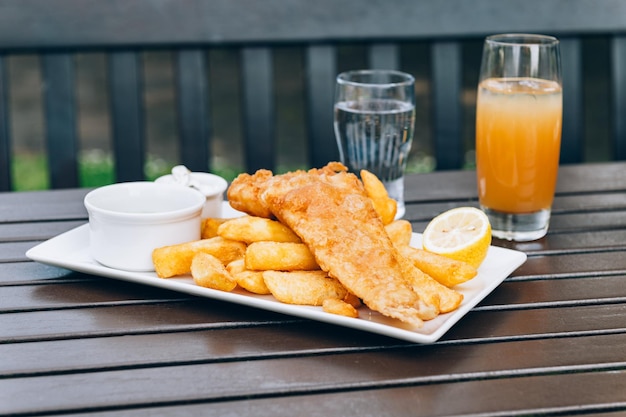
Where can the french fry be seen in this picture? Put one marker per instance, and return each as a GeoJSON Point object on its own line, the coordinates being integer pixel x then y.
{"type": "Point", "coordinates": [448, 272]}
{"type": "Point", "coordinates": [279, 256]}
{"type": "Point", "coordinates": [236, 266]}
{"type": "Point", "coordinates": [248, 280]}
{"type": "Point", "coordinates": [400, 232]}
{"type": "Point", "coordinates": [208, 271]}
{"type": "Point", "coordinates": [176, 260]}
{"type": "Point", "coordinates": [250, 229]}
{"type": "Point", "coordinates": [340, 307]}
{"type": "Point", "coordinates": [252, 281]}
{"type": "Point", "coordinates": [303, 287]}
{"type": "Point", "coordinates": [353, 300]}
{"type": "Point", "coordinates": [385, 206]}
{"type": "Point", "coordinates": [440, 297]}
{"type": "Point", "coordinates": [209, 227]}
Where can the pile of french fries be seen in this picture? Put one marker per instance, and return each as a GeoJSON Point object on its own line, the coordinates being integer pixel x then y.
{"type": "Point", "coordinates": [264, 256]}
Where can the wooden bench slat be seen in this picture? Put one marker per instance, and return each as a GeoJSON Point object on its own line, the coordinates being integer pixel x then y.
{"type": "Point", "coordinates": [384, 56]}
{"type": "Point", "coordinates": [127, 115]}
{"type": "Point", "coordinates": [321, 62]}
{"type": "Point", "coordinates": [192, 109]}
{"type": "Point", "coordinates": [60, 116]}
{"type": "Point", "coordinates": [446, 79]}
{"type": "Point", "coordinates": [258, 108]}
{"type": "Point", "coordinates": [5, 137]}
{"type": "Point", "coordinates": [618, 82]}
{"type": "Point", "coordinates": [120, 23]}
{"type": "Point", "coordinates": [572, 148]}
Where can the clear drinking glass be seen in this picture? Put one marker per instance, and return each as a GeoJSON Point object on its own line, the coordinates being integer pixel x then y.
{"type": "Point", "coordinates": [374, 125]}
{"type": "Point", "coordinates": [518, 133]}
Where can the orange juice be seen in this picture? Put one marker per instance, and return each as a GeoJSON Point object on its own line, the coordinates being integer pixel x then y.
{"type": "Point", "coordinates": [518, 138]}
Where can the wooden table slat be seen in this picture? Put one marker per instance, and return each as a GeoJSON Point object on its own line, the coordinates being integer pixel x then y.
{"type": "Point", "coordinates": [309, 375]}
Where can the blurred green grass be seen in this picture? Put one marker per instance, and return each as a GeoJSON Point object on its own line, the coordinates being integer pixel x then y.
{"type": "Point", "coordinates": [95, 169]}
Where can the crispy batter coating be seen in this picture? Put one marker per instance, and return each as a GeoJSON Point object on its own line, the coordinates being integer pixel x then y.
{"type": "Point", "coordinates": [243, 193]}
{"type": "Point", "coordinates": [335, 218]}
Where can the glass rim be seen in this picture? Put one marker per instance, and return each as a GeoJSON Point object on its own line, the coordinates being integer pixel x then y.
{"type": "Point", "coordinates": [522, 39]}
{"type": "Point", "coordinates": [405, 79]}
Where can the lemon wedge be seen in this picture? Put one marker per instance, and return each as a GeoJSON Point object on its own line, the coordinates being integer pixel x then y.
{"type": "Point", "coordinates": [462, 233]}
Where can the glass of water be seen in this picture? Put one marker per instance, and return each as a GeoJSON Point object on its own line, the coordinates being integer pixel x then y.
{"type": "Point", "coordinates": [374, 125]}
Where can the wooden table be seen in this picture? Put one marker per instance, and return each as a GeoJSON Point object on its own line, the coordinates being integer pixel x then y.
{"type": "Point", "coordinates": [551, 339]}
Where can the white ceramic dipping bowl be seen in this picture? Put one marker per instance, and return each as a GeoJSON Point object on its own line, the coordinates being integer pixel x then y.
{"type": "Point", "coordinates": [213, 187]}
{"type": "Point", "coordinates": [127, 221]}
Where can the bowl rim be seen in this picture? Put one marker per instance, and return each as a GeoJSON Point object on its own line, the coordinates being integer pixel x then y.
{"type": "Point", "coordinates": [177, 214]}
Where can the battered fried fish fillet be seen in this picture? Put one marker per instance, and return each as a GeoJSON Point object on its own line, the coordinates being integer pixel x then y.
{"type": "Point", "coordinates": [245, 192]}
{"type": "Point", "coordinates": [332, 214]}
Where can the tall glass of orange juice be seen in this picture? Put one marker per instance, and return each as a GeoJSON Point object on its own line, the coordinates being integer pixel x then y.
{"type": "Point", "coordinates": [518, 133]}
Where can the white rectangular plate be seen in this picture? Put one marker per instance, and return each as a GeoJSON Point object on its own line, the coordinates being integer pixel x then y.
{"type": "Point", "coordinates": [71, 250]}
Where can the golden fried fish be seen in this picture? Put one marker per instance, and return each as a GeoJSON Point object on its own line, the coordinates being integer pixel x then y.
{"type": "Point", "coordinates": [335, 218]}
